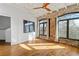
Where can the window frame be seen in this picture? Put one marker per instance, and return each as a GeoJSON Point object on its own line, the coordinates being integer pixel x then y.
{"type": "Point", "coordinates": [27, 22]}
{"type": "Point", "coordinates": [67, 36]}
{"type": "Point", "coordinates": [43, 26]}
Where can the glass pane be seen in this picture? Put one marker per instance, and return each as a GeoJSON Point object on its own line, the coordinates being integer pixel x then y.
{"type": "Point", "coordinates": [69, 16]}
{"type": "Point", "coordinates": [62, 29]}
{"type": "Point", "coordinates": [27, 28]}
{"type": "Point", "coordinates": [41, 29]}
{"type": "Point", "coordinates": [31, 28]}
{"type": "Point", "coordinates": [74, 29]}
{"type": "Point", "coordinates": [45, 28]}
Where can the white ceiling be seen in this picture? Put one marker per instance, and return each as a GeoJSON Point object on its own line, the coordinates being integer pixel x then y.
{"type": "Point", "coordinates": [28, 7]}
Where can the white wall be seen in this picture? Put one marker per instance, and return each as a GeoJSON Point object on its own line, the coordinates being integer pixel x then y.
{"type": "Point", "coordinates": [17, 16]}
{"type": "Point", "coordinates": [36, 29]}
{"type": "Point", "coordinates": [2, 34]}
{"type": "Point", "coordinates": [8, 35]}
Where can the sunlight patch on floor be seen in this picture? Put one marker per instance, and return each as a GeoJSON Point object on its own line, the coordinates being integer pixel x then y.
{"type": "Point", "coordinates": [25, 46]}
{"type": "Point", "coordinates": [39, 46]}
{"type": "Point", "coordinates": [48, 47]}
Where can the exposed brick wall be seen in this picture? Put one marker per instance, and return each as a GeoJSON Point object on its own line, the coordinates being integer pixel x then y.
{"type": "Point", "coordinates": [55, 14]}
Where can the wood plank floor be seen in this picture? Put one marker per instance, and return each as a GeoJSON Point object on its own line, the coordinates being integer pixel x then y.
{"type": "Point", "coordinates": [38, 48]}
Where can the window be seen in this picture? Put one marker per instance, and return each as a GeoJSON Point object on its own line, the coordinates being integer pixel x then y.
{"type": "Point", "coordinates": [68, 26]}
{"type": "Point", "coordinates": [63, 29]}
{"type": "Point", "coordinates": [43, 27]}
{"type": "Point", "coordinates": [29, 26]}
{"type": "Point", "coordinates": [74, 29]}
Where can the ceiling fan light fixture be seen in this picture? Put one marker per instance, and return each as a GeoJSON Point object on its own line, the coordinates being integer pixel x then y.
{"type": "Point", "coordinates": [45, 6]}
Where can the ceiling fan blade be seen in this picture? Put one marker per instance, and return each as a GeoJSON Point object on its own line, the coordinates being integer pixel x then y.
{"type": "Point", "coordinates": [47, 9]}
{"type": "Point", "coordinates": [37, 8]}
{"type": "Point", "coordinates": [45, 4]}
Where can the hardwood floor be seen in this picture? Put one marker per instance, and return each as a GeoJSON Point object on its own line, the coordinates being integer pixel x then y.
{"type": "Point", "coordinates": [38, 48]}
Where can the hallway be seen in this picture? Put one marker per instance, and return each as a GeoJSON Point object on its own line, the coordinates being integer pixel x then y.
{"type": "Point", "coordinates": [38, 47]}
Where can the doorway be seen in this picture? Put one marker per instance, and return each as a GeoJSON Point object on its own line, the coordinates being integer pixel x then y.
{"type": "Point", "coordinates": [5, 30]}
{"type": "Point", "coordinates": [44, 28]}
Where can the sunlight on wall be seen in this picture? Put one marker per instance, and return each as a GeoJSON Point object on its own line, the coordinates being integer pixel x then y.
{"type": "Point", "coordinates": [31, 36]}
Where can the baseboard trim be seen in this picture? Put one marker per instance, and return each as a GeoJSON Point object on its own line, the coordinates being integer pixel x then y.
{"type": "Point", "coordinates": [2, 40]}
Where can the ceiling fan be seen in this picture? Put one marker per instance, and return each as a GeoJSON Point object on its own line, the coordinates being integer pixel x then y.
{"type": "Point", "coordinates": [45, 6]}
